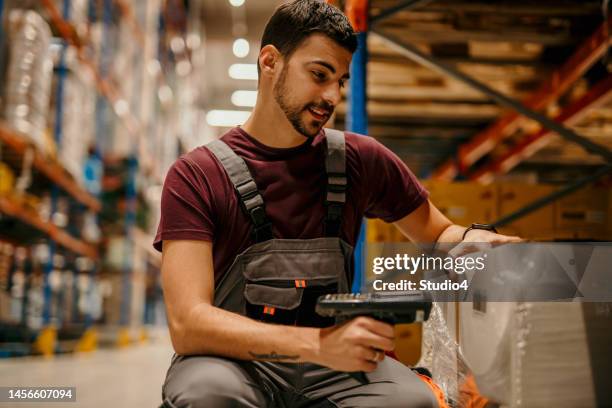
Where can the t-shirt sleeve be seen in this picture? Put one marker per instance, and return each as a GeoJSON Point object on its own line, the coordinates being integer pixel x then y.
{"type": "Point", "coordinates": [393, 190]}
{"type": "Point", "coordinates": [186, 205]}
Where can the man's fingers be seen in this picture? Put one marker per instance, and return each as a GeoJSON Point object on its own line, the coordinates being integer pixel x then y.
{"type": "Point", "coordinates": [377, 355]}
{"type": "Point", "coordinates": [377, 327]}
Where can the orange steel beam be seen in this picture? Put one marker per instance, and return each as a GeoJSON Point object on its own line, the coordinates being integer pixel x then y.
{"type": "Point", "coordinates": [13, 208]}
{"type": "Point", "coordinates": [357, 12]}
{"type": "Point", "coordinates": [598, 95]}
{"type": "Point", "coordinates": [47, 166]}
{"type": "Point", "coordinates": [559, 82]}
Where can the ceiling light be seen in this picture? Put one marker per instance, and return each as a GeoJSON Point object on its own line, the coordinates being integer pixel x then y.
{"type": "Point", "coordinates": [236, 3]}
{"type": "Point", "coordinates": [121, 107]}
{"type": "Point", "coordinates": [177, 45]}
{"type": "Point", "coordinates": [193, 41]}
{"type": "Point", "coordinates": [183, 68]}
{"type": "Point", "coordinates": [153, 67]}
{"type": "Point", "coordinates": [165, 94]}
{"type": "Point", "coordinates": [241, 48]}
{"type": "Point", "coordinates": [244, 98]}
{"type": "Point", "coordinates": [226, 118]}
{"type": "Point", "coordinates": [243, 71]}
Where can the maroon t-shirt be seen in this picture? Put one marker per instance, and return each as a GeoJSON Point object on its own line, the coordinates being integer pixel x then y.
{"type": "Point", "coordinates": [199, 202]}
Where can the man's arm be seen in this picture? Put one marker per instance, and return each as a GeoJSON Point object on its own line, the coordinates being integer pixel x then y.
{"type": "Point", "coordinates": [427, 224]}
{"type": "Point", "coordinates": [197, 327]}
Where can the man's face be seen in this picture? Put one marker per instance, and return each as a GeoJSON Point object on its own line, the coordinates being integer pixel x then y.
{"type": "Point", "coordinates": [308, 87]}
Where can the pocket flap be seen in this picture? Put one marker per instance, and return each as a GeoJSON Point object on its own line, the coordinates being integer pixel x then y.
{"type": "Point", "coordinates": [282, 298]}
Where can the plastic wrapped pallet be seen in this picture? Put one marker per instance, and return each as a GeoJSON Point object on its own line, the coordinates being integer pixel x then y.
{"type": "Point", "coordinates": [76, 14]}
{"type": "Point", "coordinates": [28, 75]}
{"type": "Point", "coordinates": [77, 111]}
{"type": "Point", "coordinates": [441, 355]}
{"type": "Point", "coordinates": [540, 354]}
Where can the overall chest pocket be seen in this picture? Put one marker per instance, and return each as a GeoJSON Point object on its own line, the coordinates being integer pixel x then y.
{"type": "Point", "coordinates": [282, 286]}
{"type": "Point", "coordinates": [288, 302]}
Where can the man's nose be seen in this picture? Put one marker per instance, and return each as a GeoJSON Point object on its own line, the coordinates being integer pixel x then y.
{"type": "Point", "coordinates": [332, 95]}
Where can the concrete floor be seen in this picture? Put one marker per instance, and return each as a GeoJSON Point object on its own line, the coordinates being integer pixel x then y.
{"type": "Point", "coordinates": [130, 377]}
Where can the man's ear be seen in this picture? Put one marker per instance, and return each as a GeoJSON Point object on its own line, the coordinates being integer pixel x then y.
{"type": "Point", "coordinates": [269, 58]}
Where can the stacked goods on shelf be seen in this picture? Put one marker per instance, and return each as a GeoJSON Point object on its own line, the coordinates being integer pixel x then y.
{"type": "Point", "coordinates": [76, 14]}
{"type": "Point", "coordinates": [583, 214]}
{"type": "Point", "coordinates": [28, 76]}
{"type": "Point", "coordinates": [77, 111]}
{"type": "Point", "coordinates": [127, 65]}
{"type": "Point", "coordinates": [6, 263]}
{"type": "Point", "coordinates": [74, 295]}
{"type": "Point", "coordinates": [101, 55]}
{"type": "Point", "coordinates": [7, 179]}
{"type": "Point", "coordinates": [538, 224]}
{"type": "Point", "coordinates": [465, 203]}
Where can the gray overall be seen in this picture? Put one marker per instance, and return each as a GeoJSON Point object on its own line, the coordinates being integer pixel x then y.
{"type": "Point", "coordinates": [278, 281]}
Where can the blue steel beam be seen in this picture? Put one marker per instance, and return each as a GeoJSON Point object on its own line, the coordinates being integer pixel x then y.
{"type": "Point", "coordinates": [357, 114]}
{"type": "Point", "coordinates": [57, 135]}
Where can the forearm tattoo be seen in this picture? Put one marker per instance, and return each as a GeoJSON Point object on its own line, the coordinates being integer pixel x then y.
{"type": "Point", "coordinates": [274, 356]}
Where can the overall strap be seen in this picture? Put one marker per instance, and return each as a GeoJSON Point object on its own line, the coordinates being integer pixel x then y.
{"type": "Point", "coordinates": [248, 194]}
{"type": "Point", "coordinates": [335, 165]}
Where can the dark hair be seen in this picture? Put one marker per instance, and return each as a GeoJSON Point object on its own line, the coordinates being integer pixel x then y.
{"type": "Point", "coordinates": [294, 21]}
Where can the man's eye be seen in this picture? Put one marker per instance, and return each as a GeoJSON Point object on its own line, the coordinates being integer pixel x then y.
{"type": "Point", "coordinates": [318, 75]}
{"type": "Point", "coordinates": [342, 83]}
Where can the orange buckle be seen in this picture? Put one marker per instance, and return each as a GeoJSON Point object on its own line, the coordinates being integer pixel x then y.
{"type": "Point", "coordinates": [300, 283]}
{"type": "Point", "coordinates": [269, 310]}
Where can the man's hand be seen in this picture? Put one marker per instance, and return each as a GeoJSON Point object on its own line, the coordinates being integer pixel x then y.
{"type": "Point", "coordinates": [478, 240]}
{"type": "Point", "coordinates": [356, 345]}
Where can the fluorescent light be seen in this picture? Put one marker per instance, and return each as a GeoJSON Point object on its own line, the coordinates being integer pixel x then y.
{"type": "Point", "coordinates": [241, 48]}
{"type": "Point", "coordinates": [226, 118]}
{"type": "Point", "coordinates": [244, 98]}
{"type": "Point", "coordinates": [236, 3]}
{"type": "Point", "coordinates": [243, 71]}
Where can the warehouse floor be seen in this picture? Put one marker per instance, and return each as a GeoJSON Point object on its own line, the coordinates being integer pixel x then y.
{"type": "Point", "coordinates": [130, 377]}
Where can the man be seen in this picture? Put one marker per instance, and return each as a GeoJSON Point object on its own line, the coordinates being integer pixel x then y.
{"type": "Point", "coordinates": [280, 200]}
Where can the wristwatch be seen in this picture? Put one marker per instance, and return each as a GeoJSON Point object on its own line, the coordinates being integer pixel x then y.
{"type": "Point", "coordinates": [486, 227]}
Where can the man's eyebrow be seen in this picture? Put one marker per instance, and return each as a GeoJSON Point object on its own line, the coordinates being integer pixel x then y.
{"type": "Point", "coordinates": [329, 66]}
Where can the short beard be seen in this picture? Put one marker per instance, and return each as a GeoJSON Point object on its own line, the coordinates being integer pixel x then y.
{"type": "Point", "coordinates": [291, 112]}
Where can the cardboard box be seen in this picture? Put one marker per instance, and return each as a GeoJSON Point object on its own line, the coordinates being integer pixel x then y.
{"type": "Point", "coordinates": [513, 197]}
{"type": "Point", "coordinates": [585, 210]}
{"type": "Point", "coordinates": [465, 203]}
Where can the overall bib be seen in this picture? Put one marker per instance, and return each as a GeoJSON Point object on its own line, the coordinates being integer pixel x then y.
{"type": "Point", "coordinates": [278, 281]}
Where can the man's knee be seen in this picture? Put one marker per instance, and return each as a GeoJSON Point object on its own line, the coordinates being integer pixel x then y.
{"type": "Point", "coordinates": [198, 382]}
{"type": "Point", "coordinates": [401, 387]}
{"type": "Point", "coordinates": [412, 397]}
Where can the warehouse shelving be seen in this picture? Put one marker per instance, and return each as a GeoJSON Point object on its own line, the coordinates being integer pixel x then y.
{"type": "Point", "coordinates": [359, 12]}
{"type": "Point", "coordinates": [104, 87]}
{"type": "Point", "coordinates": [48, 166]}
{"type": "Point", "coordinates": [82, 334]}
{"type": "Point", "coordinates": [15, 209]}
